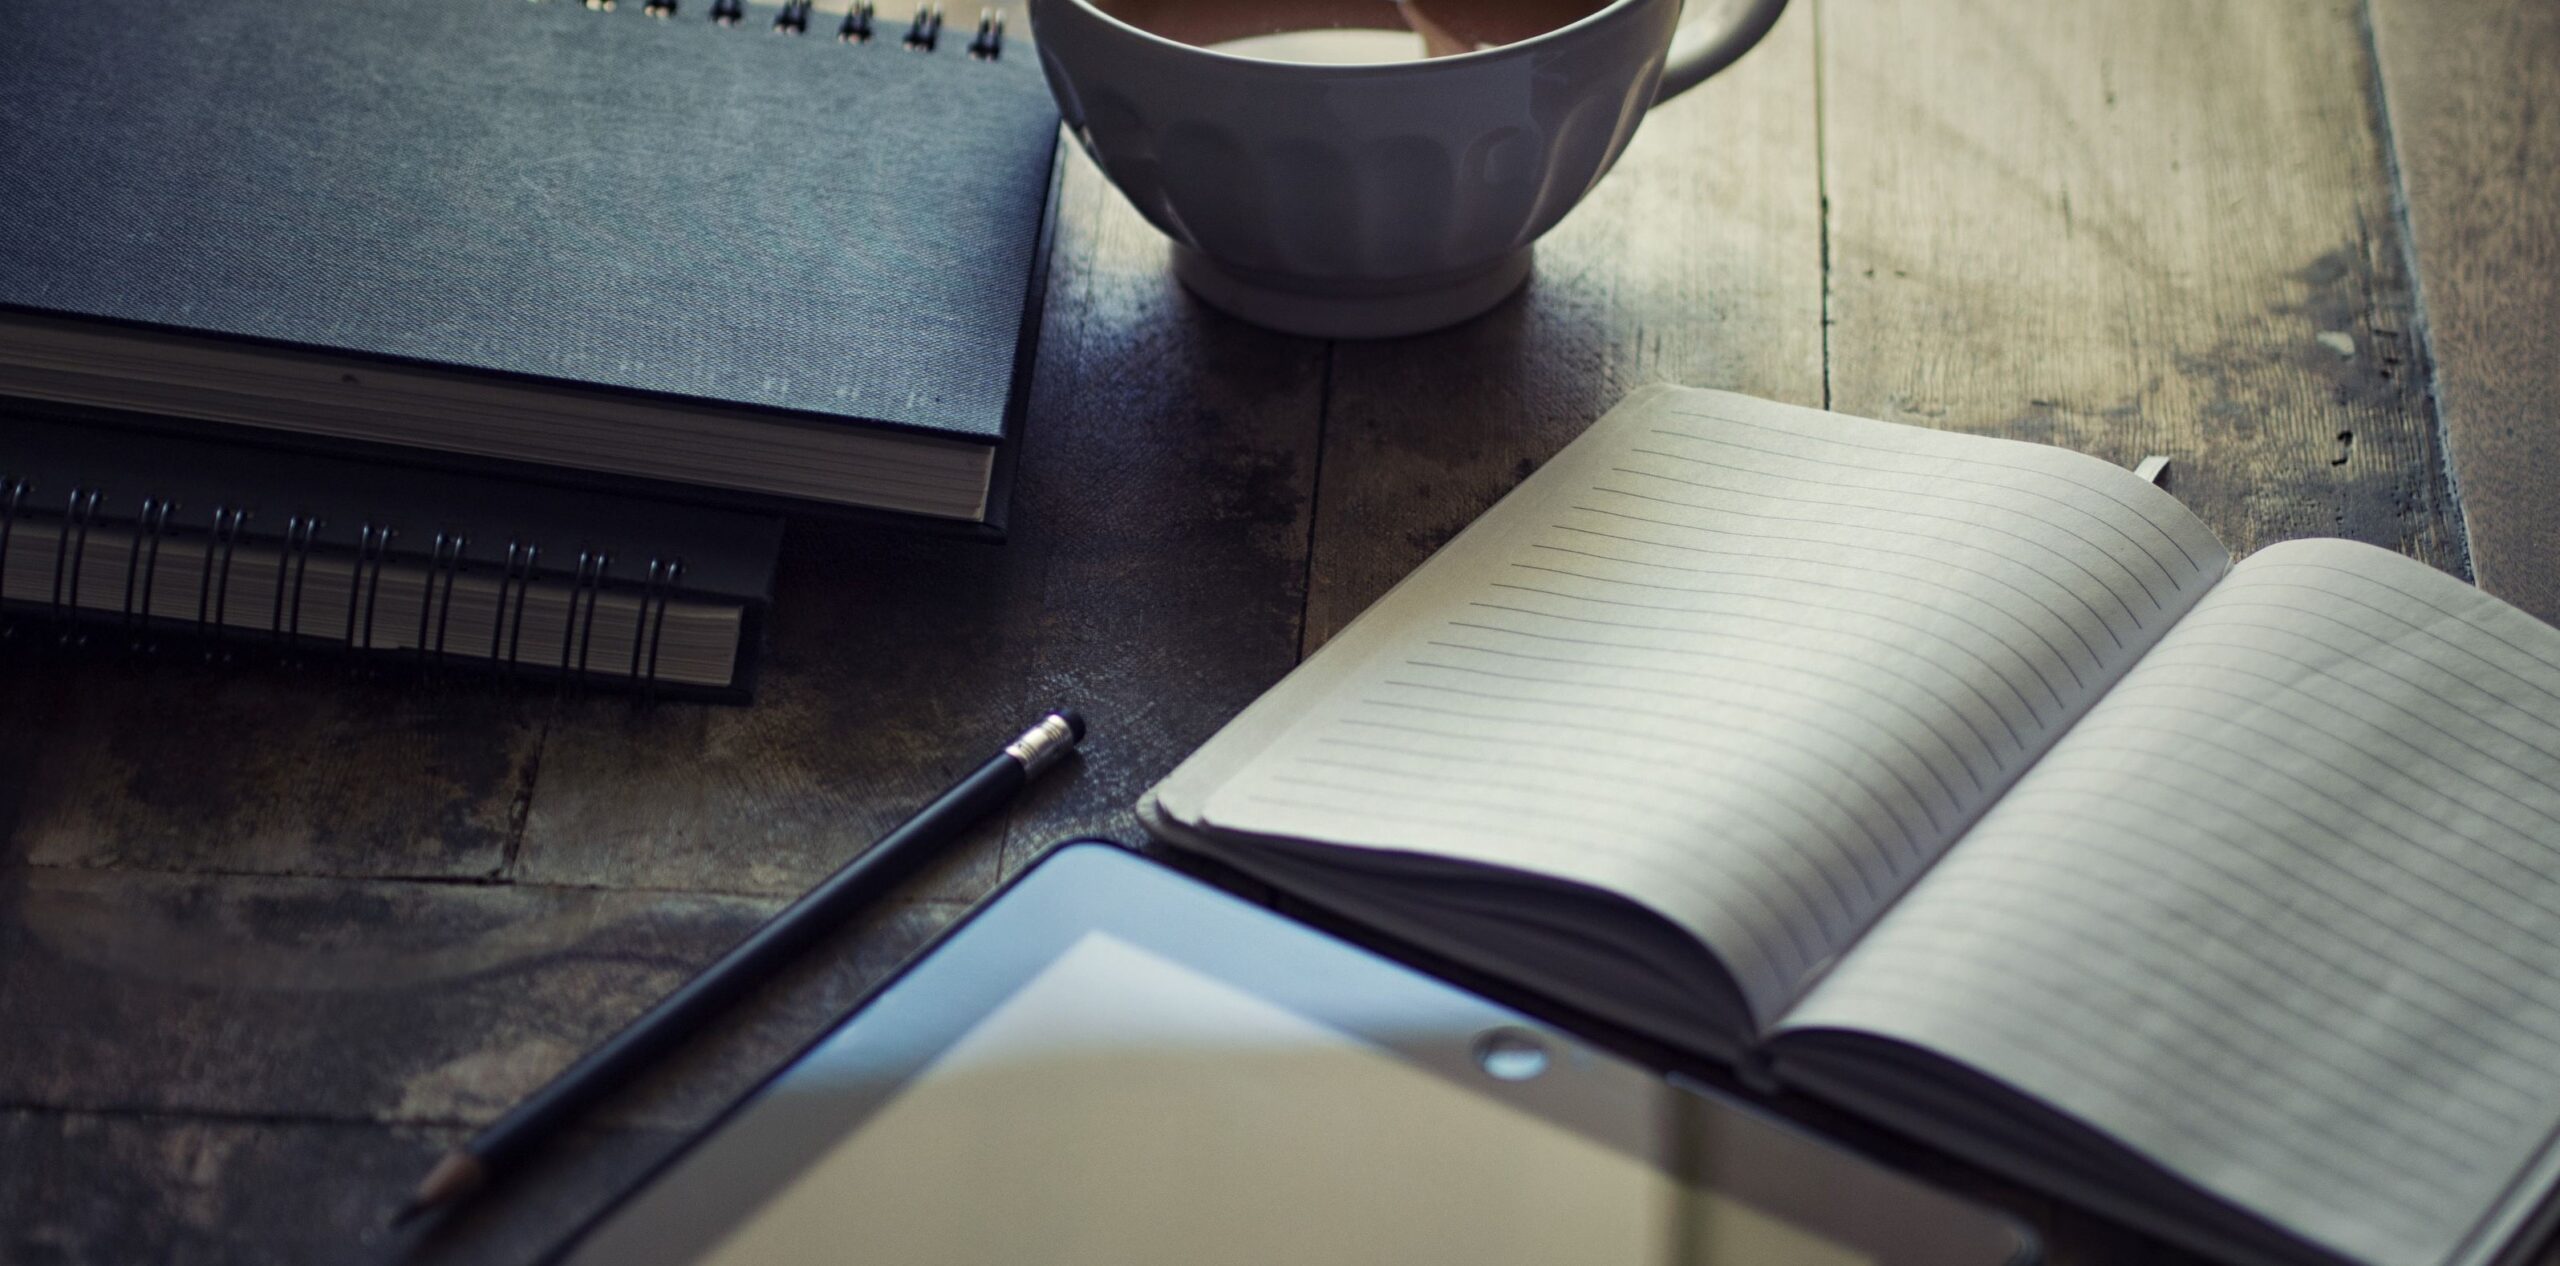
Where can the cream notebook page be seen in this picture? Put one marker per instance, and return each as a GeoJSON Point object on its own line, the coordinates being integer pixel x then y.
{"type": "Point", "coordinates": [2283, 913]}
{"type": "Point", "coordinates": [1752, 665]}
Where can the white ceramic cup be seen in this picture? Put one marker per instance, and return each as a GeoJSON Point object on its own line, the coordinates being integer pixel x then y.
{"type": "Point", "coordinates": [1365, 201]}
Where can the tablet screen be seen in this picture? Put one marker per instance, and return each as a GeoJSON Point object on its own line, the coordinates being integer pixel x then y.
{"type": "Point", "coordinates": [1122, 1108]}
{"type": "Point", "coordinates": [1113, 1063]}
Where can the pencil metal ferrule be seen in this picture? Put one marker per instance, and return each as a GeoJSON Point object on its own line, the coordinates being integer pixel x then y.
{"type": "Point", "coordinates": [1043, 745]}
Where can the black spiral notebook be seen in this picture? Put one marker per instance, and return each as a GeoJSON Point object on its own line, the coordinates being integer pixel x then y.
{"type": "Point", "coordinates": [634, 247]}
{"type": "Point", "coordinates": [120, 539]}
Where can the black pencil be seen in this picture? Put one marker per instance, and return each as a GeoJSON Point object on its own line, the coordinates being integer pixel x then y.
{"type": "Point", "coordinates": [785, 935]}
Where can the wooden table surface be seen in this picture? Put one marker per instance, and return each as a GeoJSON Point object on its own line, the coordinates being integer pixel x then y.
{"type": "Point", "coordinates": [269, 942]}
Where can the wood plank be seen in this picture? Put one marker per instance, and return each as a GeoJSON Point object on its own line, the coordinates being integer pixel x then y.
{"type": "Point", "coordinates": [2130, 229]}
{"type": "Point", "coordinates": [1697, 260]}
{"type": "Point", "coordinates": [81, 1187]}
{"type": "Point", "coordinates": [125, 1187]}
{"type": "Point", "coordinates": [1151, 578]}
{"type": "Point", "coordinates": [184, 764]}
{"type": "Point", "coordinates": [2468, 83]}
{"type": "Point", "coordinates": [344, 1000]}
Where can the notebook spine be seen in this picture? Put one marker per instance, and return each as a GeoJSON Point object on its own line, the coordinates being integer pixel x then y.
{"type": "Point", "coordinates": [924, 28]}
{"type": "Point", "coordinates": [54, 556]}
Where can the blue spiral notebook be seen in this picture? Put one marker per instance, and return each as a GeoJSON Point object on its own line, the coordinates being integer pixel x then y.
{"type": "Point", "coordinates": [641, 250]}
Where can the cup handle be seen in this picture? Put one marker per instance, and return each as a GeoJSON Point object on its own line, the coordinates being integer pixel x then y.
{"type": "Point", "coordinates": [1699, 50]}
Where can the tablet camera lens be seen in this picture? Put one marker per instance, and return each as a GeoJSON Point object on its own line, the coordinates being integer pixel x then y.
{"type": "Point", "coordinates": [1511, 1053]}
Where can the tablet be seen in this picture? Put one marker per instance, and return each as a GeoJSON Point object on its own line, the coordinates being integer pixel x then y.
{"type": "Point", "coordinates": [1111, 1062]}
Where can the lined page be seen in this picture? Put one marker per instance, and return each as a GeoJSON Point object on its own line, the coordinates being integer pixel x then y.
{"type": "Point", "coordinates": [1748, 664]}
{"type": "Point", "coordinates": [2283, 912]}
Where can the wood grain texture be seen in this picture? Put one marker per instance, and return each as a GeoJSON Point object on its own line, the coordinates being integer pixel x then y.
{"type": "Point", "coordinates": [1169, 481]}
{"type": "Point", "coordinates": [2129, 229]}
{"type": "Point", "coordinates": [351, 1001]}
{"type": "Point", "coordinates": [111, 1189]}
{"type": "Point", "coordinates": [261, 770]}
{"type": "Point", "coordinates": [86, 1189]}
{"type": "Point", "coordinates": [1697, 260]}
{"type": "Point", "coordinates": [2474, 94]}
{"type": "Point", "coordinates": [1150, 577]}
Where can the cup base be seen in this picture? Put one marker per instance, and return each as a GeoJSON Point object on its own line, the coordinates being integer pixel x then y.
{"type": "Point", "coordinates": [1348, 311]}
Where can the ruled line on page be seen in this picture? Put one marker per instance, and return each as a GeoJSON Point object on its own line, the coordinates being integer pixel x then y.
{"type": "Point", "coordinates": [2337, 929]}
{"type": "Point", "coordinates": [2103, 623]}
{"type": "Point", "coordinates": [1492, 611]}
{"type": "Point", "coordinates": [1951, 642]}
{"type": "Point", "coordinates": [2303, 965]}
{"type": "Point", "coordinates": [2107, 491]}
{"type": "Point", "coordinates": [2318, 1163]}
{"type": "Point", "coordinates": [1829, 702]}
{"type": "Point", "coordinates": [1747, 875]}
{"type": "Point", "coordinates": [2422, 920]}
{"type": "Point", "coordinates": [1614, 775]}
{"type": "Point", "coordinates": [1898, 512]}
{"type": "Point", "coordinates": [2326, 1110]}
{"type": "Point", "coordinates": [2010, 487]}
{"type": "Point", "coordinates": [1817, 793]}
{"type": "Point", "coordinates": [1925, 492]}
{"type": "Point", "coordinates": [1960, 595]}
{"type": "Point", "coordinates": [1754, 812]}
{"type": "Point", "coordinates": [2250, 1017]}
{"type": "Point", "coordinates": [1857, 743]}
{"type": "Point", "coordinates": [2226, 650]}
{"type": "Point", "coordinates": [1757, 934]}
{"type": "Point", "coordinates": [1847, 773]}
{"type": "Point", "coordinates": [2379, 773]}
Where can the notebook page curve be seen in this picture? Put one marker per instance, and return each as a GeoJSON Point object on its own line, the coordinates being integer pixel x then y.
{"type": "Point", "coordinates": [1750, 665]}
{"type": "Point", "coordinates": [2283, 913]}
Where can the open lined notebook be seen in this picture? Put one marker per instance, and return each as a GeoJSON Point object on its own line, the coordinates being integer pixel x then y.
{"type": "Point", "coordinates": [1969, 785]}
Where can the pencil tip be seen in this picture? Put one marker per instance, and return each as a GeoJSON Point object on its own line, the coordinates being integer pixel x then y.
{"type": "Point", "coordinates": [453, 1177]}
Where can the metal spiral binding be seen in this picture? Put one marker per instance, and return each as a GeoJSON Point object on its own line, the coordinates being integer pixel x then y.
{"type": "Point", "coordinates": [515, 628]}
{"type": "Point", "coordinates": [301, 568]}
{"type": "Point", "coordinates": [663, 579]}
{"type": "Point", "coordinates": [79, 514]}
{"type": "Point", "coordinates": [587, 625]}
{"type": "Point", "coordinates": [142, 569]}
{"type": "Point", "coordinates": [373, 546]}
{"type": "Point", "coordinates": [516, 574]}
{"type": "Point", "coordinates": [284, 624]}
{"type": "Point", "coordinates": [142, 624]}
{"type": "Point", "coordinates": [577, 636]}
{"type": "Point", "coordinates": [444, 560]}
{"type": "Point", "coordinates": [213, 592]}
{"type": "Point", "coordinates": [926, 29]}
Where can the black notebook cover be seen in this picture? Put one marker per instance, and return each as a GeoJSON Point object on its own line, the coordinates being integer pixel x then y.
{"type": "Point", "coordinates": [845, 232]}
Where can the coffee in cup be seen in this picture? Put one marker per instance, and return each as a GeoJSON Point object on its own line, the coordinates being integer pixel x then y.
{"type": "Point", "coordinates": [1346, 32]}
